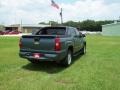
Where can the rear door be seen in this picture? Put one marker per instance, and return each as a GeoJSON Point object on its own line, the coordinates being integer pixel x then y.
{"type": "Point", "coordinates": [79, 39]}
{"type": "Point", "coordinates": [75, 39]}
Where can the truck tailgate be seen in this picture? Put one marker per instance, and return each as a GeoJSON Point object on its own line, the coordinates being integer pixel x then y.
{"type": "Point", "coordinates": [38, 42]}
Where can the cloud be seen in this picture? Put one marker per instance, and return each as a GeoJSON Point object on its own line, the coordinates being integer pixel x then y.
{"type": "Point", "coordinates": [91, 9]}
{"type": "Point", "coordinates": [35, 11]}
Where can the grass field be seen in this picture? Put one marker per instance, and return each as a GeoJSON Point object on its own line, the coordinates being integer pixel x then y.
{"type": "Point", "coordinates": [99, 69]}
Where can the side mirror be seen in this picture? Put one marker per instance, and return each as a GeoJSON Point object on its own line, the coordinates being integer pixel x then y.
{"type": "Point", "coordinates": [83, 35]}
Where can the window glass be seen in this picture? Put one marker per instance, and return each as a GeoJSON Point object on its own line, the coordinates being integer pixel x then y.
{"type": "Point", "coordinates": [52, 31]}
{"type": "Point", "coordinates": [77, 32]}
{"type": "Point", "coordinates": [73, 33]}
{"type": "Point", "coordinates": [69, 32]}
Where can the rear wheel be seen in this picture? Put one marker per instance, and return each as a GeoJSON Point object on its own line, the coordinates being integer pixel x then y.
{"type": "Point", "coordinates": [68, 59]}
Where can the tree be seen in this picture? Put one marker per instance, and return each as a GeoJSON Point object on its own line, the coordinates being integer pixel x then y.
{"type": "Point", "coordinates": [71, 23]}
{"type": "Point", "coordinates": [53, 23]}
{"type": "Point", "coordinates": [87, 25]}
{"type": "Point", "coordinates": [43, 23]}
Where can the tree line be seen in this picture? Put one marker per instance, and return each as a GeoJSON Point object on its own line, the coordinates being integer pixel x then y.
{"type": "Point", "coordinates": [86, 25]}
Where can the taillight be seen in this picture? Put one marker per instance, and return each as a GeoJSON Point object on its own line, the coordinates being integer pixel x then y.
{"type": "Point", "coordinates": [20, 43]}
{"type": "Point", "coordinates": [57, 44]}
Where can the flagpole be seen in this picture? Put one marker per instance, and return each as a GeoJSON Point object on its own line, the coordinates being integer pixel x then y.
{"type": "Point", "coordinates": [61, 16]}
{"type": "Point", "coordinates": [21, 25]}
{"type": "Point", "coordinates": [57, 7]}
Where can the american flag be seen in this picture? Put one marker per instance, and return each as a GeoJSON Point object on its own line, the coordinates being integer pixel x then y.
{"type": "Point", "coordinates": [54, 4]}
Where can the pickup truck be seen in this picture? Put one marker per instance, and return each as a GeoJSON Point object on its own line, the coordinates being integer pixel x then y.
{"type": "Point", "coordinates": [57, 44]}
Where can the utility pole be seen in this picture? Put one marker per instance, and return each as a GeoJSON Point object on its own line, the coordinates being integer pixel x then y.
{"type": "Point", "coordinates": [61, 15]}
{"type": "Point", "coordinates": [21, 25]}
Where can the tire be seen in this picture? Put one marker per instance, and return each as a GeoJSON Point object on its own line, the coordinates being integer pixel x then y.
{"type": "Point", "coordinates": [68, 59]}
{"type": "Point", "coordinates": [83, 50]}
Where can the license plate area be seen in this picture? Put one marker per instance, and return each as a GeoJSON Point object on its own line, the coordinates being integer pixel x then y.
{"type": "Point", "coordinates": [36, 55]}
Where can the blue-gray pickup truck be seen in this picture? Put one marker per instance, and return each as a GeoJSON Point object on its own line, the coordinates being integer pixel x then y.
{"type": "Point", "coordinates": [58, 44]}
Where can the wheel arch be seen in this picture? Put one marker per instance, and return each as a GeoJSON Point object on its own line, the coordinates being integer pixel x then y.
{"type": "Point", "coordinates": [71, 48]}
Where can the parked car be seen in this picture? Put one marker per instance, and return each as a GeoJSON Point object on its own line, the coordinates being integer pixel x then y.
{"type": "Point", "coordinates": [1, 33]}
{"type": "Point", "coordinates": [58, 44]}
{"type": "Point", "coordinates": [14, 32]}
{"type": "Point", "coordinates": [6, 32]}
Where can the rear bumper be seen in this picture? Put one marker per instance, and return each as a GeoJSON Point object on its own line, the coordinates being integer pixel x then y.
{"type": "Point", "coordinates": [56, 56]}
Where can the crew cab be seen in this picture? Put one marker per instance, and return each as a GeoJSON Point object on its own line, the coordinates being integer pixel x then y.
{"type": "Point", "coordinates": [57, 44]}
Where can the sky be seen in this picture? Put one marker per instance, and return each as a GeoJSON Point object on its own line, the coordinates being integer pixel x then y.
{"type": "Point", "coordinates": [35, 11]}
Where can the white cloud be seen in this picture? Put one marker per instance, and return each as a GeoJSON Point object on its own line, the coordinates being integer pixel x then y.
{"type": "Point", "coordinates": [34, 11]}
{"type": "Point", "coordinates": [91, 9]}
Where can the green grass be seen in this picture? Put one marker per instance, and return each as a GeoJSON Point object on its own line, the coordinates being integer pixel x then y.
{"type": "Point", "coordinates": [99, 69]}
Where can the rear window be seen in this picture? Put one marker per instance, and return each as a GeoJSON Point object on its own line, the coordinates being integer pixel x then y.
{"type": "Point", "coordinates": [52, 31]}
